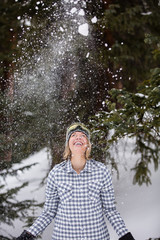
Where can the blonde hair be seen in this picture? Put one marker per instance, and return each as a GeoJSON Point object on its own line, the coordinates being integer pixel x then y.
{"type": "Point", "coordinates": [67, 152]}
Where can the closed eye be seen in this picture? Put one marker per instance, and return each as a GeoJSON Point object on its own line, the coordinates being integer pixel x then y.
{"type": "Point", "coordinates": [83, 135]}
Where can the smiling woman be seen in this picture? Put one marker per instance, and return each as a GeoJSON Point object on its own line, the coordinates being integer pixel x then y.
{"type": "Point", "coordinates": [79, 194]}
{"type": "Point", "coordinates": [78, 143]}
{"type": "Point", "coordinates": [72, 132]}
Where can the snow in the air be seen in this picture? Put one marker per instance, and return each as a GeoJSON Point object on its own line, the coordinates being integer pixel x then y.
{"type": "Point", "coordinates": [83, 29]}
{"type": "Point", "coordinates": [94, 20]}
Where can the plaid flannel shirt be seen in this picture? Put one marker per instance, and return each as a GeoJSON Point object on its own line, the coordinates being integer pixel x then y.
{"type": "Point", "coordinates": [78, 203]}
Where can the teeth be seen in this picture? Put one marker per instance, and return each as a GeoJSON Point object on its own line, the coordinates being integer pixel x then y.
{"type": "Point", "coordinates": [78, 143]}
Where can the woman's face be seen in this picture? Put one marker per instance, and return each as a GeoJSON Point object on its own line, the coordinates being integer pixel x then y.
{"type": "Point", "coordinates": [78, 143]}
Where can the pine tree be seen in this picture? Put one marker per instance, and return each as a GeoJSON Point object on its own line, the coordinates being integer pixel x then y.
{"type": "Point", "coordinates": [137, 117]}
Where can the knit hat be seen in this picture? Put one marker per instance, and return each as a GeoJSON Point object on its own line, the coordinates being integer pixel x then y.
{"type": "Point", "coordinates": [77, 127]}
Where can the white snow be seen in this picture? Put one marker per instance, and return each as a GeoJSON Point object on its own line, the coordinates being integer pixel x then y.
{"type": "Point", "coordinates": [83, 29]}
{"type": "Point", "coordinates": [146, 13]}
{"type": "Point", "coordinates": [73, 10]}
{"type": "Point", "coordinates": [94, 19]}
{"type": "Point", "coordinates": [34, 190]}
{"type": "Point", "coordinates": [67, 1]}
{"type": "Point", "coordinates": [139, 206]}
{"type": "Point", "coordinates": [28, 113]}
{"type": "Point", "coordinates": [158, 104]}
{"type": "Point", "coordinates": [87, 55]}
{"type": "Point", "coordinates": [81, 12]}
{"type": "Point", "coordinates": [61, 29]}
{"type": "Point", "coordinates": [27, 22]}
{"type": "Point", "coordinates": [141, 95]}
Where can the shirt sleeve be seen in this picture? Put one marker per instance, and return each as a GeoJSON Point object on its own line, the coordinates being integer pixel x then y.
{"type": "Point", "coordinates": [50, 207]}
{"type": "Point", "coordinates": [109, 207]}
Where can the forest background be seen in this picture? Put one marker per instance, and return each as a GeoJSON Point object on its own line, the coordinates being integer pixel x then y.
{"type": "Point", "coordinates": [53, 74]}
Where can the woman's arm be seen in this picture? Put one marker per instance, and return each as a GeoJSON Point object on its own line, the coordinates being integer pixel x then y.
{"type": "Point", "coordinates": [49, 211]}
{"type": "Point", "coordinates": [108, 201]}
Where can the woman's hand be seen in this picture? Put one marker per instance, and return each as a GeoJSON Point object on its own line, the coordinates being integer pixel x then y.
{"type": "Point", "coordinates": [25, 236]}
{"type": "Point", "coordinates": [127, 236]}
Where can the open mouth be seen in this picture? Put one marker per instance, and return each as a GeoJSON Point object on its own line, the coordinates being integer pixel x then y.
{"type": "Point", "coordinates": [78, 143]}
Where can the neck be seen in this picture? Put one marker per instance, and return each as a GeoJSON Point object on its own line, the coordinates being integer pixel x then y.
{"type": "Point", "coordinates": [78, 162]}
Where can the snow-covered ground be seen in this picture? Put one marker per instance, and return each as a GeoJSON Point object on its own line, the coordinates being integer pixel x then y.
{"type": "Point", "coordinates": [139, 206]}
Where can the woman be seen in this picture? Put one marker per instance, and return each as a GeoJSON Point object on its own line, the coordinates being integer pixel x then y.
{"type": "Point", "coordinates": [79, 194]}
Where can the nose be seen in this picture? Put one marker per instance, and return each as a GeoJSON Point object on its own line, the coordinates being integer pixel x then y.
{"type": "Point", "coordinates": [78, 137]}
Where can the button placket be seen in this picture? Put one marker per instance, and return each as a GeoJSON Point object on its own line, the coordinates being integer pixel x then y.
{"type": "Point", "coordinates": [79, 193]}
{"type": "Point", "coordinates": [80, 205]}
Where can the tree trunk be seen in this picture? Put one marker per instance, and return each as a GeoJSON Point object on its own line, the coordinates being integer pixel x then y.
{"type": "Point", "coordinates": [7, 92]}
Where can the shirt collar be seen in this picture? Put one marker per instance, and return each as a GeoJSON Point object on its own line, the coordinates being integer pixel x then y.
{"type": "Point", "coordinates": [87, 168]}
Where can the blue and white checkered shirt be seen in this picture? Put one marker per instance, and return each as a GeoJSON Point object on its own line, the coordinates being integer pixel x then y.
{"type": "Point", "coordinates": [78, 203]}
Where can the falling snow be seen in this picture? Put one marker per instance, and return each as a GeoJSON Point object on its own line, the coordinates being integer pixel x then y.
{"type": "Point", "coordinates": [83, 29]}
{"type": "Point", "coordinates": [94, 20]}
{"type": "Point", "coordinates": [81, 12]}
